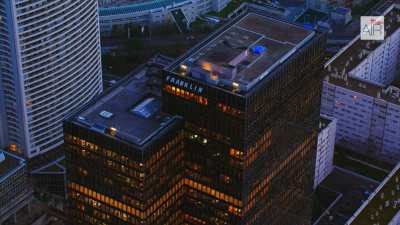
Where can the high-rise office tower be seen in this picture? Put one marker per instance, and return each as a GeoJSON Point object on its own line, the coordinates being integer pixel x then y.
{"type": "Point", "coordinates": [243, 154]}
{"type": "Point", "coordinates": [50, 63]}
{"type": "Point", "coordinates": [125, 159]}
{"type": "Point", "coordinates": [249, 95]}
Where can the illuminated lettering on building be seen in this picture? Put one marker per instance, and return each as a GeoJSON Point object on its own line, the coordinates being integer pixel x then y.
{"type": "Point", "coordinates": [184, 84]}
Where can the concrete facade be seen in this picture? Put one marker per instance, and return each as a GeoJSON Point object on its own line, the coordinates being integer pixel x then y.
{"type": "Point", "coordinates": [325, 149]}
{"type": "Point", "coordinates": [50, 63]}
{"type": "Point", "coordinates": [362, 91]}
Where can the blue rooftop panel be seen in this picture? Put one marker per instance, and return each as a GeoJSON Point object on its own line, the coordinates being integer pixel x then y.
{"type": "Point", "coordinates": [147, 108]}
{"type": "Point", "coordinates": [258, 49]}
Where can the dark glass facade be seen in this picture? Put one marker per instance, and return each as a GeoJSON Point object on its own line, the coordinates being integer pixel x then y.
{"type": "Point", "coordinates": [237, 158]}
{"type": "Point", "coordinates": [114, 182]}
{"type": "Point", "coordinates": [249, 157]}
{"type": "Point", "coordinates": [15, 188]}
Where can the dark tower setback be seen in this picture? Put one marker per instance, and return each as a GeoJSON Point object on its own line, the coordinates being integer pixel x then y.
{"type": "Point", "coordinates": [250, 97]}
{"type": "Point", "coordinates": [125, 159]}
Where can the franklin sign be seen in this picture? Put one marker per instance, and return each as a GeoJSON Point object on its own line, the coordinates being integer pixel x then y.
{"type": "Point", "coordinates": [184, 84]}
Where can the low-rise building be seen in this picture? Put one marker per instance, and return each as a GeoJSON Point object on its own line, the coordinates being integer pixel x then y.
{"type": "Point", "coordinates": [51, 178]}
{"type": "Point", "coordinates": [383, 205]}
{"type": "Point", "coordinates": [116, 13]}
{"type": "Point", "coordinates": [15, 192]}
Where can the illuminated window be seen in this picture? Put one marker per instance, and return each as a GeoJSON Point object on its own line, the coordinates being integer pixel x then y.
{"type": "Point", "coordinates": [13, 148]}
{"type": "Point", "coordinates": [186, 94]}
{"type": "Point", "coordinates": [82, 172]}
{"type": "Point", "coordinates": [229, 110]}
{"type": "Point", "coordinates": [236, 153]}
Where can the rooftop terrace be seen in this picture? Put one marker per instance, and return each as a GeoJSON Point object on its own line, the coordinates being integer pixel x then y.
{"type": "Point", "coordinates": [242, 53]}
{"type": "Point", "coordinates": [339, 67]}
{"type": "Point", "coordinates": [357, 50]}
{"type": "Point", "coordinates": [130, 111]}
{"type": "Point", "coordinates": [382, 205]}
{"type": "Point", "coordinates": [375, 90]}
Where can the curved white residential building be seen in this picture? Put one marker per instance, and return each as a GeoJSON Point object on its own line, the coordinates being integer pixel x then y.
{"type": "Point", "coordinates": [50, 63]}
{"type": "Point", "coordinates": [122, 12]}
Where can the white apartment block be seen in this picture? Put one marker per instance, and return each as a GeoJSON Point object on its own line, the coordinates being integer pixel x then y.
{"type": "Point", "coordinates": [119, 12]}
{"type": "Point", "coordinates": [325, 149]}
{"type": "Point", "coordinates": [50, 64]}
{"type": "Point", "coordinates": [395, 220]}
{"type": "Point", "coordinates": [380, 65]}
{"type": "Point", "coordinates": [362, 91]}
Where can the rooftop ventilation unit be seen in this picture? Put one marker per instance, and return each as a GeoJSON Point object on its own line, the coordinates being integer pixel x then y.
{"type": "Point", "coordinates": [106, 114]}
{"type": "Point", "coordinates": [147, 107]}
